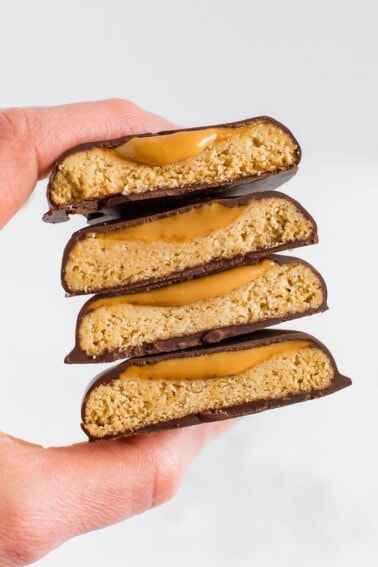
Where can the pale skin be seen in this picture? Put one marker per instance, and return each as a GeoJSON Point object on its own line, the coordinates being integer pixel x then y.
{"type": "Point", "coordinates": [48, 496]}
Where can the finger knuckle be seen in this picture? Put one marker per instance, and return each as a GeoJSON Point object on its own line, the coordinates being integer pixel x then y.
{"type": "Point", "coordinates": [121, 105]}
{"type": "Point", "coordinates": [15, 123]}
{"type": "Point", "coordinates": [167, 476]}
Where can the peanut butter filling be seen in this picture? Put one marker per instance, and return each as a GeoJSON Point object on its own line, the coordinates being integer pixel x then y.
{"type": "Point", "coordinates": [216, 365]}
{"type": "Point", "coordinates": [171, 148]}
{"type": "Point", "coordinates": [185, 293]}
{"type": "Point", "coordinates": [195, 223]}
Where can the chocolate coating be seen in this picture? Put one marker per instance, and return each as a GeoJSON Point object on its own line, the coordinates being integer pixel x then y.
{"type": "Point", "coordinates": [247, 184]}
{"type": "Point", "coordinates": [253, 340]}
{"type": "Point", "coordinates": [206, 337]}
{"type": "Point", "coordinates": [199, 270]}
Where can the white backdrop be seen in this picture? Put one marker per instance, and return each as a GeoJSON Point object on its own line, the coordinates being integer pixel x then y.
{"type": "Point", "coordinates": [292, 486]}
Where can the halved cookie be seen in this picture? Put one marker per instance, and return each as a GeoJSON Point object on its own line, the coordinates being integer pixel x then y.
{"type": "Point", "coordinates": [258, 372]}
{"type": "Point", "coordinates": [183, 242]}
{"type": "Point", "coordinates": [98, 175]}
{"type": "Point", "coordinates": [201, 310]}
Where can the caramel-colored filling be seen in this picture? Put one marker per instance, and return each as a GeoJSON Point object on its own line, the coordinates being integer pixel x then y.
{"type": "Point", "coordinates": [195, 223]}
{"type": "Point", "coordinates": [171, 148]}
{"type": "Point", "coordinates": [185, 293]}
{"type": "Point", "coordinates": [217, 365]}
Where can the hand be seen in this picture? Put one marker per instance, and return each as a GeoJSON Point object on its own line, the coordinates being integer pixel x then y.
{"type": "Point", "coordinates": [50, 495]}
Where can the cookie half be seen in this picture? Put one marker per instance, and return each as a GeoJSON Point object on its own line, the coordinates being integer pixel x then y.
{"type": "Point", "coordinates": [259, 372]}
{"type": "Point", "coordinates": [173, 163]}
{"type": "Point", "coordinates": [183, 242]}
{"type": "Point", "coordinates": [196, 311]}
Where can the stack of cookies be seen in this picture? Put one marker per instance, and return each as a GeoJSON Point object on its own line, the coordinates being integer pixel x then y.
{"type": "Point", "coordinates": [181, 251]}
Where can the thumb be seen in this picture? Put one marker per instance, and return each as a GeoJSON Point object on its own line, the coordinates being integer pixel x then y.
{"type": "Point", "coordinates": [51, 495]}
{"type": "Point", "coordinates": [32, 139]}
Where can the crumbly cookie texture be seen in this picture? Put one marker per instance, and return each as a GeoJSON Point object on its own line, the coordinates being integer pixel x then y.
{"type": "Point", "coordinates": [126, 405]}
{"type": "Point", "coordinates": [285, 290]}
{"type": "Point", "coordinates": [96, 262]}
{"type": "Point", "coordinates": [262, 147]}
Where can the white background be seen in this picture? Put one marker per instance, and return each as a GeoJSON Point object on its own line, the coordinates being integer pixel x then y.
{"type": "Point", "coordinates": [295, 486]}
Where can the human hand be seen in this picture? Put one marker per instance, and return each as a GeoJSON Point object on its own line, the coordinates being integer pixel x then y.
{"type": "Point", "coordinates": [51, 495]}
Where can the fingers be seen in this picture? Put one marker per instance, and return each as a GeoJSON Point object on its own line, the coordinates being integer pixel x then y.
{"type": "Point", "coordinates": [51, 495]}
{"type": "Point", "coordinates": [116, 480]}
{"type": "Point", "coordinates": [59, 128]}
{"type": "Point", "coordinates": [32, 139]}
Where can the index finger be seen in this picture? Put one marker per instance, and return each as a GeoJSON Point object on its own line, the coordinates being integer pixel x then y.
{"type": "Point", "coordinates": [32, 139]}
